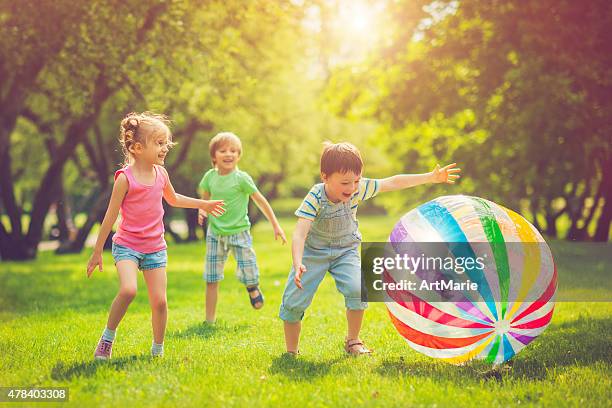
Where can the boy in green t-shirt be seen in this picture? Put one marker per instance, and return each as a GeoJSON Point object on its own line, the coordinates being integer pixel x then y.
{"type": "Point", "coordinates": [231, 230]}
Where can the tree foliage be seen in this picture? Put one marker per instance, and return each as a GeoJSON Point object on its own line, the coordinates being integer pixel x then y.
{"type": "Point", "coordinates": [518, 92]}
{"type": "Point", "coordinates": [209, 65]}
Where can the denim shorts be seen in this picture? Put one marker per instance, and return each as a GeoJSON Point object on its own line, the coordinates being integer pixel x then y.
{"type": "Point", "coordinates": [344, 265]}
{"type": "Point", "coordinates": [145, 262]}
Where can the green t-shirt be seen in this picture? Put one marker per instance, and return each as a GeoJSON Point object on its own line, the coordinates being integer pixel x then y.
{"type": "Point", "coordinates": [235, 189]}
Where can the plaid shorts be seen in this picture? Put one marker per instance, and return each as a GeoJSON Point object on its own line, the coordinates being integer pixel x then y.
{"type": "Point", "coordinates": [217, 250]}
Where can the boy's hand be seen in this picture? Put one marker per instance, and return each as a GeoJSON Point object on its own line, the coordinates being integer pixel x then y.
{"type": "Point", "coordinates": [214, 207]}
{"type": "Point", "coordinates": [201, 215]}
{"type": "Point", "coordinates": [95, 260]}
{"type": "Point", "coordinates": [299, 270]}
{"type": "Point", "coordinates": [447, 174]}
{"type": "Point", "coordinates": [278, 232]}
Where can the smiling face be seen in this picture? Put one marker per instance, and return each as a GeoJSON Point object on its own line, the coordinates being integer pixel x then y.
{"type": "Point", "coordinates": [340, 187]}
{"type": "Point", "coordinates": [226, 157]}
{"type": "Point", "coordinates": [155, 150]}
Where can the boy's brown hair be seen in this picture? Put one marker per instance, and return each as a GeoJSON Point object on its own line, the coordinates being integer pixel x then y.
{"type": "Point", "coordinates": [221, 139]}
{"type": "Point", "coordinates": [340, 158]}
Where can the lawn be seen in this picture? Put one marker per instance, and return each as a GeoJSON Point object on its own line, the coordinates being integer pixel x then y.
{"type": "Point", "coordinates": [52, 316]}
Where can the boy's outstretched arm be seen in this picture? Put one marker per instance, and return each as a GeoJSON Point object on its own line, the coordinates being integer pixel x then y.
{"type": "Point", "coordinates": [266, 209]}
{"type": "Point", "coordinates": [447, 174]}
{"type": "Point", "coordinates": [297, 248]}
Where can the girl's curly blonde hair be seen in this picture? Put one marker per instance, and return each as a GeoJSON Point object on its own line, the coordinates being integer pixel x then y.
{"type": "Point", "coordinates": [140, 128]}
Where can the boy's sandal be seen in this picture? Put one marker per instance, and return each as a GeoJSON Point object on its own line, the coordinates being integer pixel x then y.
{"type": "Point", "coordinates": [356, 347]}
{"type": "Point", "coordinates": [257, 299]}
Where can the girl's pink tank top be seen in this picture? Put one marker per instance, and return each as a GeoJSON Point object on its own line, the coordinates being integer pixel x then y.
{"type": "Point", "coordinates": [141, 227]}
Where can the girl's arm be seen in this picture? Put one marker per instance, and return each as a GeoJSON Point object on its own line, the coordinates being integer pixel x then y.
{"type": "Point", "coordinates": [120, 189]}
{"type": "Point", "coordinates": [201, 213]}
{"type": "Point", "coordinates": [214, 207]}
{"type": "Point", "coordinates": [266, 209]}
{"type": "Point", "coordinates": [297, 248]}
{"type": "Point", "coordinates": [447, 174]}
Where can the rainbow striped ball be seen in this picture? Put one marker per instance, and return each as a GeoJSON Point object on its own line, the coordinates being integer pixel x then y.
{"type": "Point", "coordinates": [517, 290]}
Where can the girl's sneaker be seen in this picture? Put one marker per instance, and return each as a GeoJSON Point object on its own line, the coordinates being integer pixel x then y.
{"type": "Point", "coordinates": [157, 350]}
{"type": "Point", "coordinates": [104, 350]}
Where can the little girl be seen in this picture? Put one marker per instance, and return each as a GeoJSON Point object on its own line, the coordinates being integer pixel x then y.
{"type": "Point", "coordinates": [139, 241]}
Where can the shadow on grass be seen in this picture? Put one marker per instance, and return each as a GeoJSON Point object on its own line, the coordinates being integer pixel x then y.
{"type": "Point", "coordinates": [298, 369]}
{"type": "Point", "coordinates": [581, 342]}
{"type": "Point", "coordinates": [475, 370]}
{"type": "Point", "coordinates": [89, 368]}
{"type": "Point", "coordinates": [205, 330]}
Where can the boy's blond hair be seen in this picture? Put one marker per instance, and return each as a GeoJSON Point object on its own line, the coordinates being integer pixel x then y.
{"type": "Point", "coordinates": [340, 158]}
{"type": "Point", "coordinates": [222, 139]}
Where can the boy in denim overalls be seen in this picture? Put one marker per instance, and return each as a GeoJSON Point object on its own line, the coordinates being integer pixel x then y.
{"type": "Point", "coordinates": [327, 238]}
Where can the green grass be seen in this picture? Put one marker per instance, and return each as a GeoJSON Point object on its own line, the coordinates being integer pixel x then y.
{"type": "Point", "coordinates": [52, 316]}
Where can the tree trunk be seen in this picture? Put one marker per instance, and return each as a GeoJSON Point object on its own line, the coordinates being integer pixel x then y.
{"type": "Point", "coordinates": [534, 213]}
{"type": "Point", "coordinates": [602, 231]}
{"type": "Point", "coordinates": [575, 207]}
{"type": "Point", "coordinates": [583, 232]}
{"type": "Point", "coordinates": [96, 214]}
{"type": "Point", "coordinates": [551, 224]}
{"type": "Point", "coordinates": [77, 131]}
{"type": "Point", "coordinates": [191, 217]}
{"type": "Point", "coordinates": [11, 247]}
{"type": "Point", "coordinates": [64, 220]}
{"type": "Point", "coordinates": [15, 245]}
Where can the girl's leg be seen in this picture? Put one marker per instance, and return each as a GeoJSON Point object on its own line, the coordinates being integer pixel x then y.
{"type": "Point", "coordinates": [156, 285]}
{"type": "Point", "coordinates": [128, 272]}
{"type": "Point", "coordinates": [292, 336]}
{"type": "Point", "coordinates": [212, 291]}
{"type": "Point", "coordinates": [354, 319]}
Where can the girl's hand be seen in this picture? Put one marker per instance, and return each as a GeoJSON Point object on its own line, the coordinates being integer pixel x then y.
{"type": "Point", "coordinates": [299, 270]}
{"type": "Point", "coordinates": [447, 174]}
{"type": "Point", "coordinates": [95, 260]}
{"type": "Point", "coordinates": [278, 232]}
{"type": "Point", "coordinates": [201, 215]}
{"type": "Point", "coordinates": [214, 207]}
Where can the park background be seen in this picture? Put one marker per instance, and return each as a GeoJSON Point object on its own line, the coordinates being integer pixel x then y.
{"type": "Point", "coordinates": [518, 93]}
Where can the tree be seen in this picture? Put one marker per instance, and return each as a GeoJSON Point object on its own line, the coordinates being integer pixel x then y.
{"type": "Point", "coordinates": [66, 92]}
{"type": "Point", "coordinates": [228, 65]}
{"type": "Point", "coordinates": [517, 91]}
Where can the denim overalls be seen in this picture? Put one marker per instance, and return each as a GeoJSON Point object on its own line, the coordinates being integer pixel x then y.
{"type": "Point", "coordinates": [332, 245]}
